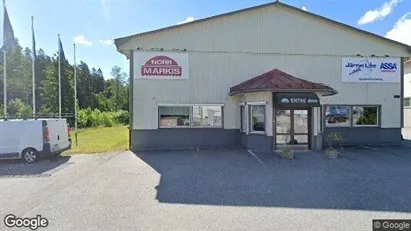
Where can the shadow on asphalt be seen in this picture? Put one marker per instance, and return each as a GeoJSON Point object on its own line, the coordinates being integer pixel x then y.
{"type": "Point", "coordinates": [361, 179]}
{"type": "Point", "coordinates": [43, 167]}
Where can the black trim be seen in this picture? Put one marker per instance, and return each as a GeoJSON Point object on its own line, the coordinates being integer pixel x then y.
{"type": "Point", "coordinates": [47, 150]}
{"type": "Point", "coordinates": [9, 155]}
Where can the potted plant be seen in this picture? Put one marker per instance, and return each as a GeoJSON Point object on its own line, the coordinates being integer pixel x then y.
{"type": "Point", "coordinates": [333, 137]}
{"type": "Point", "coordinates": [287, 151]}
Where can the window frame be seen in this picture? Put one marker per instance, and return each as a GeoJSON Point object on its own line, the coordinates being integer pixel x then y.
{"type": "Point", "coordinates": [204, 105]}
{"type": "Point", "coordinates": [351, 107]}
{"type": "Point", "coordinates": [250, 109]}
{"type": "Point", "coordinates": [190, 114]}
{"type": "Point", "coordinates": [409, 100]}
{"type": "Point", "coordinates": [366, 125]}
{"type": "Point", "coordinates": [336, 105]}
{"type": "Point", "coordinates": [243, 129]}
{"type": "Point", "coordinates": [159, 116]}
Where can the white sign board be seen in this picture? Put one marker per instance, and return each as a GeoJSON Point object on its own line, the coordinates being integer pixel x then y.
{"type": "Point", "coordinates": [371, 70]}
{"type": "Point", "coordinates": [160, 65]}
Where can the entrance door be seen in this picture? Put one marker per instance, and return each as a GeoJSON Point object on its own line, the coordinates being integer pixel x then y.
{"type": "Point", "coordinates": [292, 126]}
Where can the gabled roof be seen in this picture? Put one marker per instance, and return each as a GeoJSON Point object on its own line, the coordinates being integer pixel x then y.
{"type": "Point", "coordinates": [279, 81]}
{"type": "Point", "coordinates": [123, 40]}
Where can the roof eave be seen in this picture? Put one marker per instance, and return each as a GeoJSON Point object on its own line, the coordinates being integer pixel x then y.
{"type": "Point", "coordinates": [324, 92]}
{"type": "Point", "coordinates": [122, 40]}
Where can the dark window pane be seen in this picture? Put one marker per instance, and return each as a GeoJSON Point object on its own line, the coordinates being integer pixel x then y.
{"type": "Point", "coordinates": [174, 116]}
{"type": "Point", "coordinates": [243, 120]}
{"type": "Point", "coordinates": [407, 102]}
{"type": "Point", "coordinates": [336, 116]}
{"type": "Point", "coordinates": [257, 117]}
{"type": "Point", "coordinates": [365, 115]}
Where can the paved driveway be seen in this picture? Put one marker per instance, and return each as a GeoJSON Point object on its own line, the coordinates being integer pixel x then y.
{"type": "Point", "coordinates": [229, 189]}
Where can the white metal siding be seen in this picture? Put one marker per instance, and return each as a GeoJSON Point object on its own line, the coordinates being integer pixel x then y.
{"type": "Point", "coordinates": [407, 93]}
{"type": "Point", "coordinates": [227, 51]}
{"type": "Point", "coordinates": [212, 75]}
{"type": "Point", "coordinates": [268, 30]}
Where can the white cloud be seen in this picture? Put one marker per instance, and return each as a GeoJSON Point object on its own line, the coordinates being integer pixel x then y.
{"type": "Point", "coordinates": [379, 13]}
{"type": "Point", "coordinates": [188, 19]}
{"type": "Point", "coordinates": [304, 8]}
{"type": "Point", "coordinates": [89, 22]}
{"type": "Point", "coordinates": [401, 31]}
{"type": "Point", "coordinates": [80, 39]}
{"type": "Point", "coordinates": [108, 42]}
{"type": "Point", "coordinates": [106, 12]}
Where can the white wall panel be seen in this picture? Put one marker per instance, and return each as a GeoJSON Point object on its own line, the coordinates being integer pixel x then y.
{"type": "Point", "coordinates": [227, 51]}
{"type": "Point", "coordinates": [212, 75]}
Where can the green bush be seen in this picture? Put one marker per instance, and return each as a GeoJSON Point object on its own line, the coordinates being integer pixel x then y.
{"type": "Point", "coordinates": [16, 107]}
{"type": "Point", "coordinates": [95, 118]}
{"type": "Point", "coordinates": [122, 117]}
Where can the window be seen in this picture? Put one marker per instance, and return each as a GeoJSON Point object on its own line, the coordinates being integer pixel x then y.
{"type": "Point", "coordinates": [346, 116]}
{"type": "Point", "coordinates": [337, 116]}
{"type": "Point", "coordinates": [257, 118]}
{"type": "Point", "coordinates": [207, 116]}
{"type": "Point", "coordinates": [243, 119]}
{"type": "Point", "coordinates": [189, 116]}
{"type": "Point", "coordinates": [365, 116]}
{"type": "Point", "coordinates": [407, 102]}
{"type": "Point", "coordinates": [174, 116]}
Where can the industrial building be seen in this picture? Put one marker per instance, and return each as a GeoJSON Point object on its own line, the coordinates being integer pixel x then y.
{"type": "Point", "coordinates": [262, 77]}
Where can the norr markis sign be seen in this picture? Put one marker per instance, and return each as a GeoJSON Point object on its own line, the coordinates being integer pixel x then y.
{"type": "Point", "coordinates": [160, 65]}
{"type": "Point", "coordinates": [296, 99]}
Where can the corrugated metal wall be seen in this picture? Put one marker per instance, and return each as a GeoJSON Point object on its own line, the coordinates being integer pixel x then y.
{"type": "Point", "coordinates": [229, 50]}
{"type": "Point", "coordinates": [407, 93]}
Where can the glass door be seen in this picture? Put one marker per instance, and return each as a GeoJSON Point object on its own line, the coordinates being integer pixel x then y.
{"type": "Point", "coordinates": [291, 126]}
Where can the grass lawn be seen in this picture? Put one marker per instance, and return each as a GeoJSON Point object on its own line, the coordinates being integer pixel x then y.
{"type": "Point", "coordinates": [98, 140]}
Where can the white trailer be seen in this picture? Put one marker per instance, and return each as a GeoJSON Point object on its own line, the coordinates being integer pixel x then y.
{"type": "Point", "coordinates": [34, 138]}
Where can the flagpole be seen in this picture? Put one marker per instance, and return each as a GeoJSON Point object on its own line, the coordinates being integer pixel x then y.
{"type": "Point", "coordinates": [75, 92]}
{"type": "Point", "coordinates": [32, 69]}
{"type": "Point", "coordinates": [5, 84]}
{"type": "Point", "coordinates": [58, 43]}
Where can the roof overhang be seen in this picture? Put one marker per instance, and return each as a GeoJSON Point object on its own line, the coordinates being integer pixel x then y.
{"type": "Point", "coordinates": [321, 92]}
{"type": "Point", "coordinates": [123, 40]}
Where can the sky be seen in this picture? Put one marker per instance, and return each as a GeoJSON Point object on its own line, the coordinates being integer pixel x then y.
{"type": "Point", "coordinates": [93, 24]}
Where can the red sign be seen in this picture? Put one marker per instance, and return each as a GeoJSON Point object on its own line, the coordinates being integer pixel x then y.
{"type": "Point", "coordinates": [161, 66]}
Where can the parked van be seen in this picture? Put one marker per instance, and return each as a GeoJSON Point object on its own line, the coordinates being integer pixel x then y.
{"type": "Point", "coordinates": [31, 139]}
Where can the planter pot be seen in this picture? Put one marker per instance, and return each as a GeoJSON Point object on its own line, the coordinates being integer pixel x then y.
{"type": "Point", "coordinates": [331, 153]}
{"type": "Point", "coordinates": [288, 154]}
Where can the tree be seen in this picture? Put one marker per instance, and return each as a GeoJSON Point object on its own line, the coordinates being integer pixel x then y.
{"type": "Point", "coordinates": [120, 78]}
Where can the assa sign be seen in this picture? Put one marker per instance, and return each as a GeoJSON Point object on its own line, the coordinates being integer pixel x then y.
{"type": "Point", "coordinates": [388, 67]}
{"type": "Point", "coordinates": [160, 65]}
{"type": "Point", "coordinates": [371, 70]}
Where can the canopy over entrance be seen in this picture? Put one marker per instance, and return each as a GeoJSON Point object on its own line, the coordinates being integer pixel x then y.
{"type": "Point", "coordinates": [279, 81]}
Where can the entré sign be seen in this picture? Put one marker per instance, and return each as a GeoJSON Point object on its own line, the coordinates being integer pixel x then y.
{"type": "Point", "coordinates": [160, 65]}
{"type": "Point", "coordinates": [296, 99]}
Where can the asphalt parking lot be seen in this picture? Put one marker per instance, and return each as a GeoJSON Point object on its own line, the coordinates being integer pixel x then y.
{"type": "Point", "coordinates": [225, 189]}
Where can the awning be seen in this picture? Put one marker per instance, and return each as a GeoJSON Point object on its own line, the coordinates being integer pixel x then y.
{"type": "Point", "coordinates": [279, 81]}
